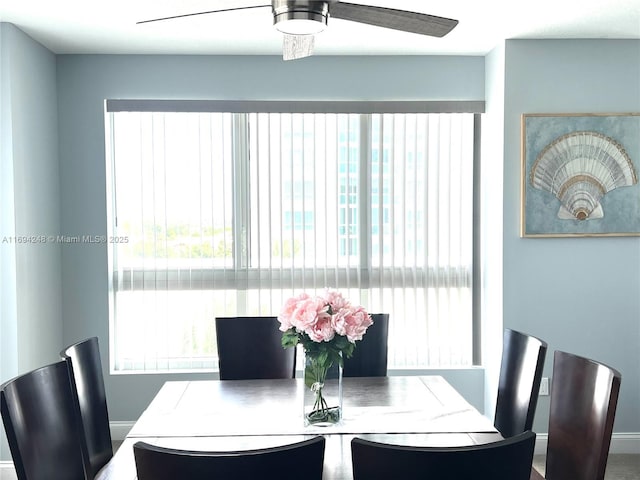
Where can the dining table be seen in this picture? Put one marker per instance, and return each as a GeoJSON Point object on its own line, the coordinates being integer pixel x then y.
{"type": "Point", "coordinates": [231, 415]}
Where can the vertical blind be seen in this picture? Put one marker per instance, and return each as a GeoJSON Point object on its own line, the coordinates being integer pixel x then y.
{"type": "Point", "coordinates": [222, 214]}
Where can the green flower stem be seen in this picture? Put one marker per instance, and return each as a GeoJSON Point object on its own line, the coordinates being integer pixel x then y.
{"type": "Point", "coordinates": [320, 374]}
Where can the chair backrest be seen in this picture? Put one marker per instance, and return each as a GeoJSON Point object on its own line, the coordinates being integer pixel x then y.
{"type": "Point", "coordinates": [508, 459]}
{"type": "Point", "coordinates": [251, 348]}
{"type": "Point", "coordinates": [85, 367]}
{"type": "Point", "coordinates": [288, 462]}
{"type": "Point", "coordinates": [369, 358]}
{"type": "Point", "coordinates": [520, 374]}
{"type": "Point", "coordinates": [584, 396]}
{"type": "Point", "coordinates": [41, 424]}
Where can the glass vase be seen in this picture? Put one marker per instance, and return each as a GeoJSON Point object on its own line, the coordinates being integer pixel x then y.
{"type": "Point", "coordinates": [322, 392]}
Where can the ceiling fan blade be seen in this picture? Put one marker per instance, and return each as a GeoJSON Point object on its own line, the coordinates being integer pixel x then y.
{"type": "Point", "coordinates": [242, 5]}
{"type": "Point", "coordinates": [413, 22]}
{"type": "Point", "coordinates": [297, 46]}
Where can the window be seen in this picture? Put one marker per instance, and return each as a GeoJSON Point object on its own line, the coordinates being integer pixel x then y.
{"type": "Point", "coordinates": [217, 213]}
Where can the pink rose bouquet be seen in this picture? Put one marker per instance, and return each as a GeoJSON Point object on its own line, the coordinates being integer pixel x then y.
{"type": "Point", "coordinates": [329, 320]}
{"type": "Point", "coordinates": [327, 327]}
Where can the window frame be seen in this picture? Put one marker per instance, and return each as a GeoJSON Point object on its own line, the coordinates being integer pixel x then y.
{"type": "Point", "coordinates": [214, 276]}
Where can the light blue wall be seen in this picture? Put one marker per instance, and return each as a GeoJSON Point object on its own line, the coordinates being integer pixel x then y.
{"type": "Point", "coordinates": [30, 290]}
{"type": "Point", "coordinates": [85, 81]}
{"type": "Point", "coordinates": [582, 295]}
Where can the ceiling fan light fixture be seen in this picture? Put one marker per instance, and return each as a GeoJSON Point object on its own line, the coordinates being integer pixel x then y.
{"type": "Point", "coordinates": [300, 26]}
{"type": "Point", "coordinates": [306, 19]}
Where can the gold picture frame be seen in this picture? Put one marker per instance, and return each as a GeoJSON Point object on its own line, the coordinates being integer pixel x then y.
{"type": "Point", "coordinates": [580, 174]}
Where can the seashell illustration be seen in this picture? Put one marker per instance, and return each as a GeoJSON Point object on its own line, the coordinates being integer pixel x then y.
{"type": "Point", "coordinates": [579, 168]}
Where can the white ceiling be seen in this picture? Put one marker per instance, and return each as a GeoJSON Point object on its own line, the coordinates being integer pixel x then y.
{"type": "Point", "coordinates": [109, 26]}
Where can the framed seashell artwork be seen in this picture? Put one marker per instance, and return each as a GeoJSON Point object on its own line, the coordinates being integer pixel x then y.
{"type": "Point", "coordinates": [580, 175]}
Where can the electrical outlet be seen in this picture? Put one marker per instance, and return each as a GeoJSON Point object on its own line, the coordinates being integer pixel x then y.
{"type": "Point", "coordinates": [544, 386]}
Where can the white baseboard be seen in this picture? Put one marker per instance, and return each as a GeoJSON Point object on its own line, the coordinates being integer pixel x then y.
{"type": "Point", "coordinates": [625, 443]}
{"type": "Point", "coordinates": [621, 443]}
{"type": "Point", "coordinates": [541, 444]}
{"type": "Point", "coordinates": [120, 430]}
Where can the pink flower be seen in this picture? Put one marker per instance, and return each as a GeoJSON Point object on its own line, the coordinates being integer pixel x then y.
{"type": "Point", "coordinates": [322, 330]}
{"type": "Point", "coordinates": [308, 312]}
{"type": "Point", "coordinates": [356, 323]}
{"type": "Point", "coordinates": [288, 310]}
{"type": "Point", "coordinates": [338, 320]}
{"type": "Point", "coordinates": [335, 299]}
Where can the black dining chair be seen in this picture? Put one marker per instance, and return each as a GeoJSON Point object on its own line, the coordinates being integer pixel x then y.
{"type": "Point", "coordinates": [302, 460]}
{"type": "Point", "coordinates": [520, 375]}
{"type": "Point", "coordinates": [85, 367]}
{"type": "Point", "coordinates": [508, 459]}
{"type": "Point", "coordinates": [584, 396]}
{"type": "Point", "coordinates": [369, 358]}
{"type": "Point", "coordinates": [251, 348]}
{"type": "Point", "coordinates": [41, 424]}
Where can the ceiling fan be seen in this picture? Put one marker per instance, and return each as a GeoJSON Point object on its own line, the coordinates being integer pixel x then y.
{"type": "Point", "coordinates": [299, 20]}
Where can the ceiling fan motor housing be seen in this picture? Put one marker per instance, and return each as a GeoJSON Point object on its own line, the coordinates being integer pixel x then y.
{"type": "Point", "coordinates": [300, 17]}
